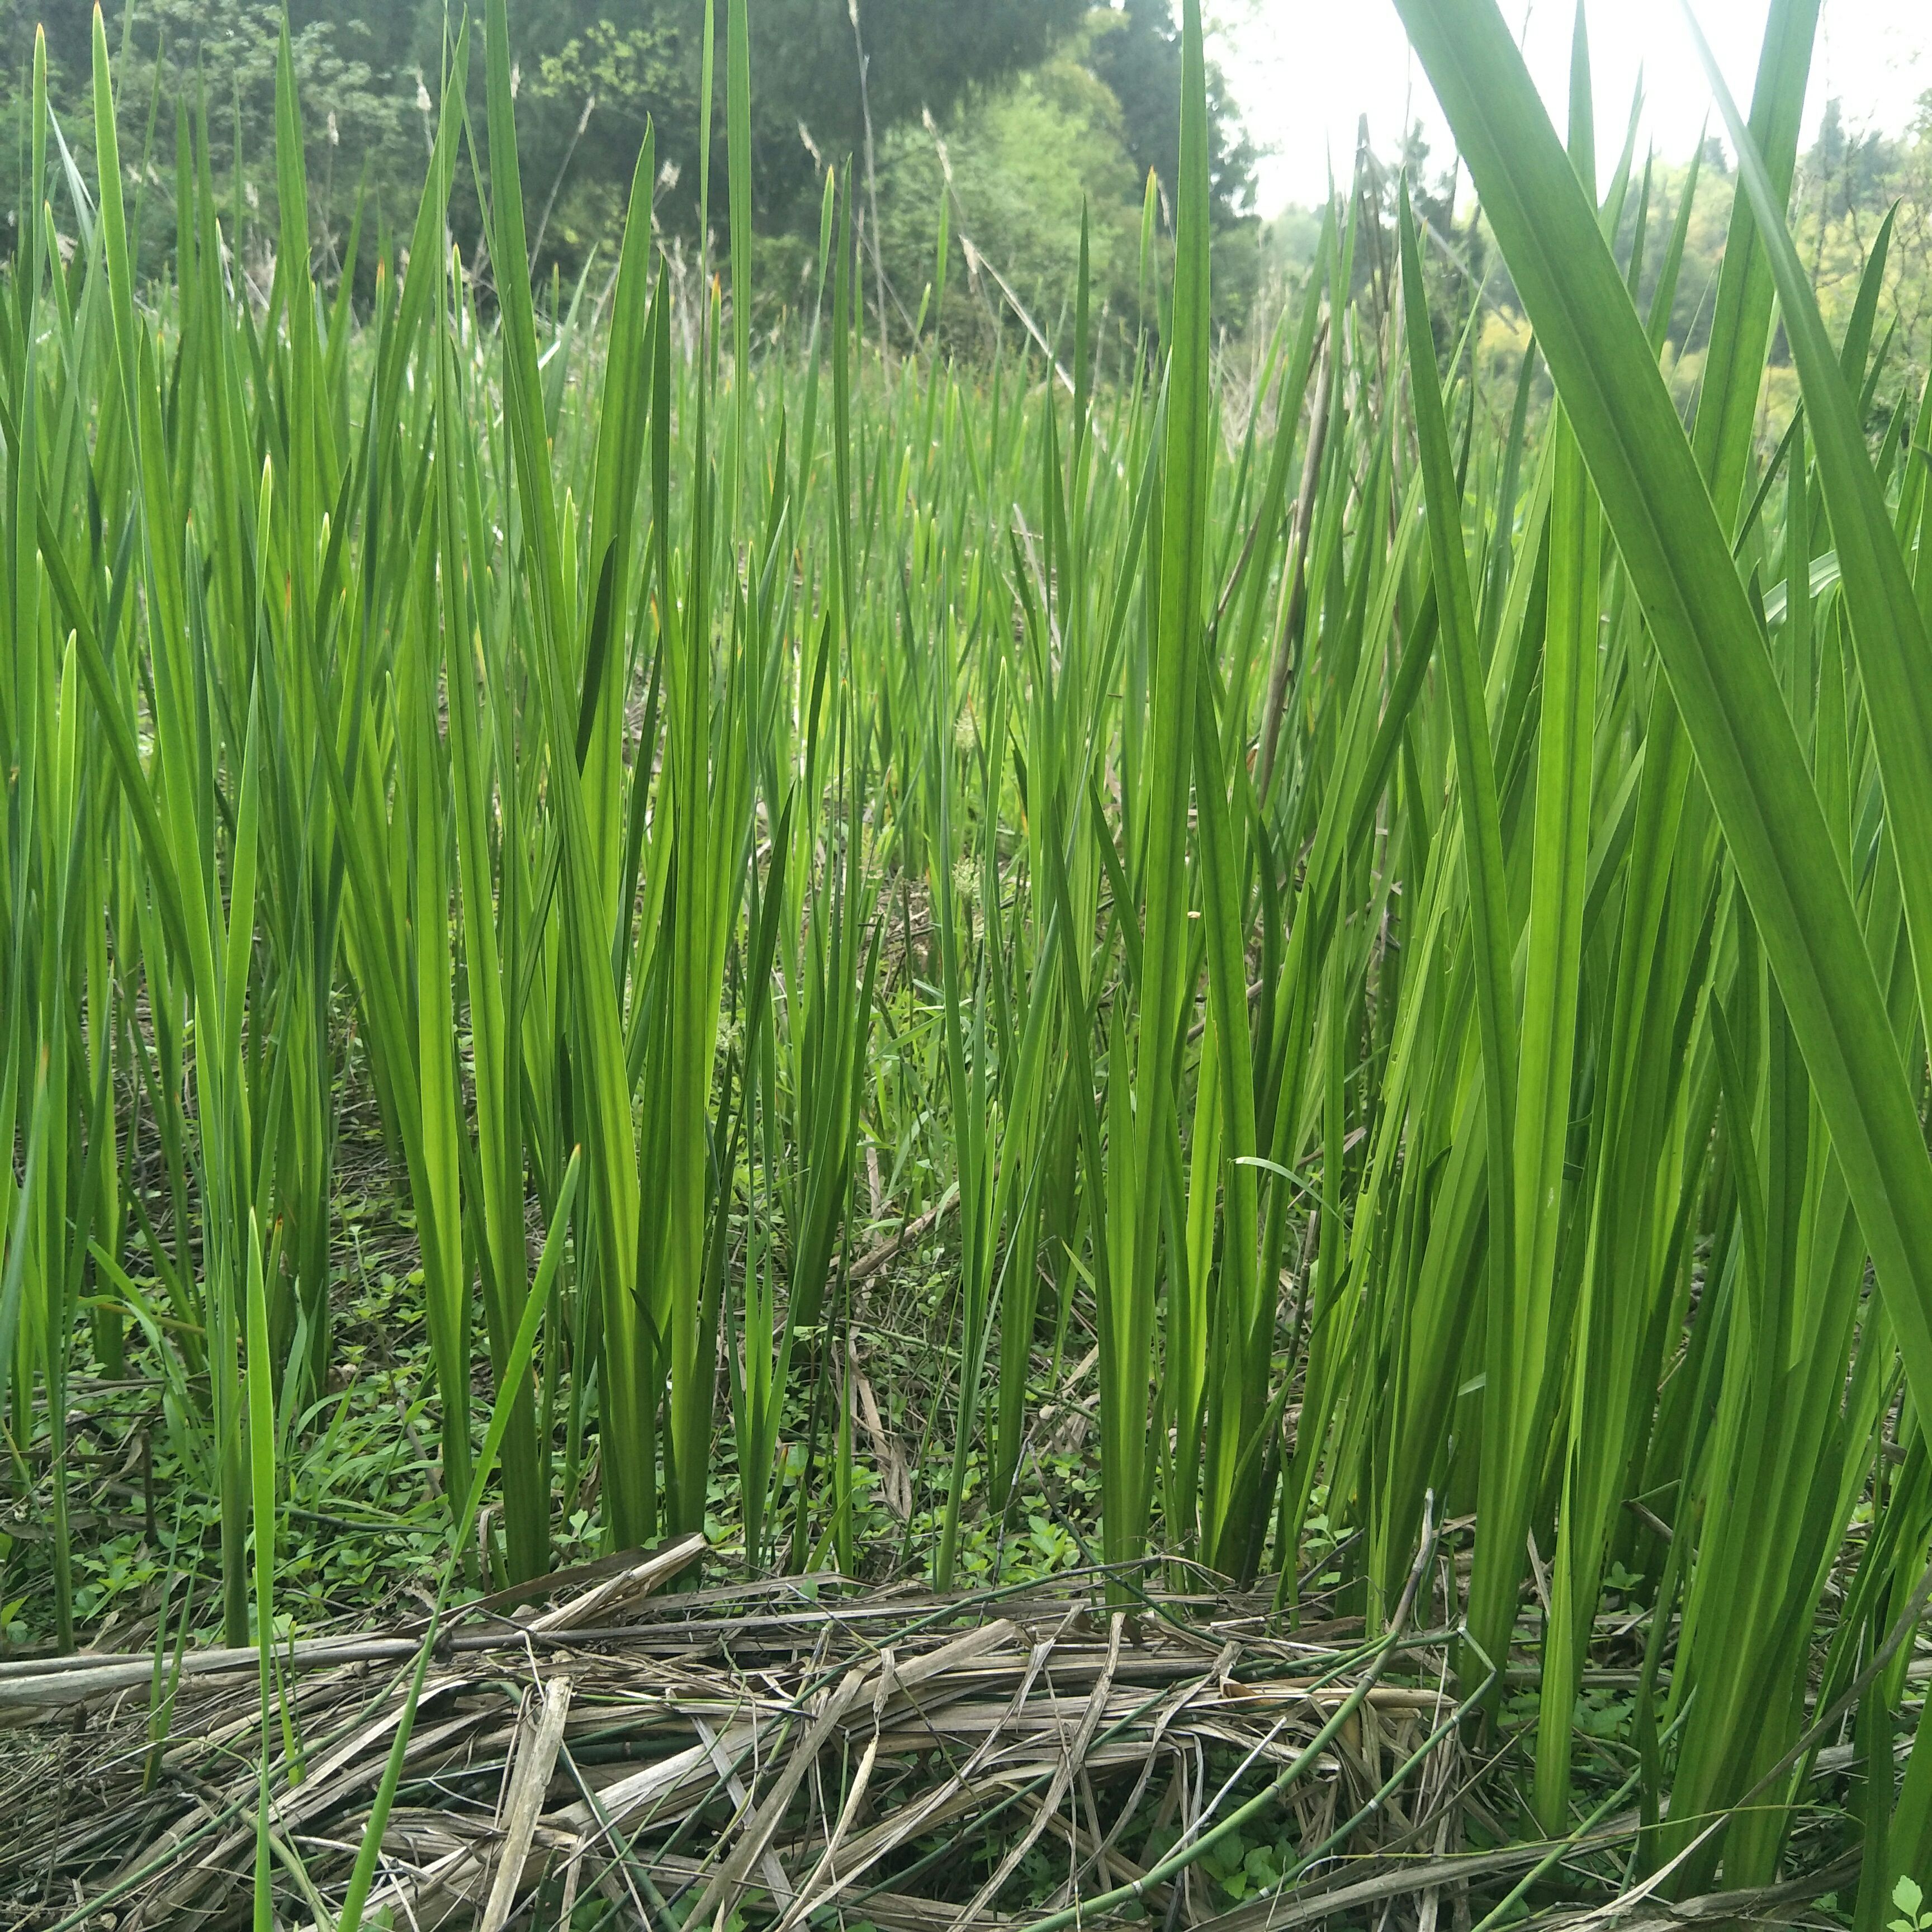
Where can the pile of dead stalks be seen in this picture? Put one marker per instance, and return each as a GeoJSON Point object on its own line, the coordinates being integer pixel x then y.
{"type": "Point", "coordinates": [596, 1750]}
{"type": "Point", "coordinates": [791, 1752]}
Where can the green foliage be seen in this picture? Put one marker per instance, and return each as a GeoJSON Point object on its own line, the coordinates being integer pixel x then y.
{"type": "Point", "coordinates": [1039, 105]}
{"type": "Point", "coordinates": [1135, 51]}
{"type": "Point", "coordinates": [1023, 165]}
{"type": "Point", "coordinates": [1089, 957]}
{"type": "Point", "coordinates": [220, 56]}
{"type": "Point", "coordinates": [1908, 1899]}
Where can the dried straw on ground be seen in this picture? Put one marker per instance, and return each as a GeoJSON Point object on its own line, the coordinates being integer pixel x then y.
{"type": "Point", "coordinates": [786, 1748]}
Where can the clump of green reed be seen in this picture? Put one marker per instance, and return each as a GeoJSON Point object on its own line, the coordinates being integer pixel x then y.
{"type": "Point", "coordinates": [1384, 931]}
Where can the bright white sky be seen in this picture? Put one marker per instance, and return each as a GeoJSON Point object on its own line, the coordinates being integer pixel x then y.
{"type": "Point", "coordinates": [1303, 69]}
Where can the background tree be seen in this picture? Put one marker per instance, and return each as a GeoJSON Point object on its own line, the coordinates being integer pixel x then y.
{"type": "Point", "coordinates": [1135, 51]}
{"type": "Point", "coordinates": [1044, 105]}
{"type": "Point", "coordinates": [593, 79]}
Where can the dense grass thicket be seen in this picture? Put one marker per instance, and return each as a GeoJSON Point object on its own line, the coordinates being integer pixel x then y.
{"type": "Point", "coordinates": [1376, 955]}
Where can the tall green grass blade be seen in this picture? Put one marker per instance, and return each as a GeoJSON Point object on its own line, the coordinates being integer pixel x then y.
{"type": "Point", "coordinates": [1678, 560]}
